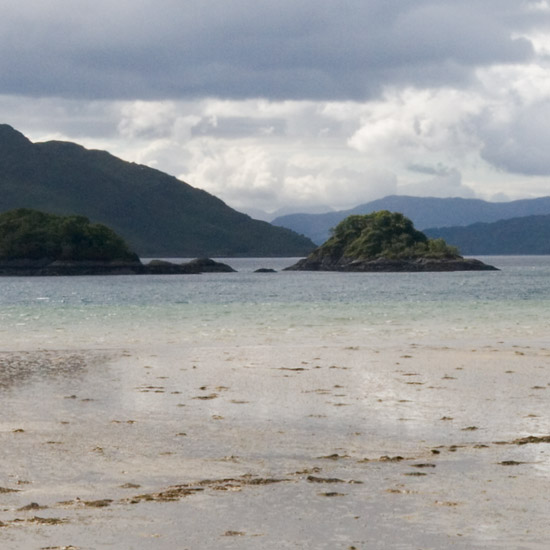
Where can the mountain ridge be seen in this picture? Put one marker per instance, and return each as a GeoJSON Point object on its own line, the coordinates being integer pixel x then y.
{"type": "Point", "coordinates": [425, 212]}
{"type": "Point", "coordinates": [515, 236]}
{"type": "Point", "coordinates": [156, 213]}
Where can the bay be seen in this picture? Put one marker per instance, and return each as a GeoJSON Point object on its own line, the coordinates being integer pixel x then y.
{"type": "Point", "coordinates": [114, 311]}
{"type": "Point", "coordinates": [276, 410]}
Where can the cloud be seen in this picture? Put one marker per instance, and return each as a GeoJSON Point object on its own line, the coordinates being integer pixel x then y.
{"type": "Point", "coordinates": [238, 127]}
{"type": "Point", "coordinates": [273, 176]}
{"type": "Point", "coordinates": [519, 142]}
{"type": "Point", "coordinates": [319, 155]}
{"type": "Point", "coordinates": [148, 120]}
{"type": "Point", "coordinates": [308, 49]}
{"type": "Point", "coordinates": [442, 181]}
{"type": "Point", "coordinates": [292, 105]}
{"type": "Point", "coordinates": [241, 174]}
{"type": "Point", "coordinates": [511, 126]}
{"type": "Point", "coordinates": [414, 125]}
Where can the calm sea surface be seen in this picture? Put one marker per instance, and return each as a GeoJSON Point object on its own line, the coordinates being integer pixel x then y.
{"type": "Point", "coordinates": [113, 312]}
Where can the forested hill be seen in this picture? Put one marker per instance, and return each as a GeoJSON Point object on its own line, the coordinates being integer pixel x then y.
{"type": "Point", "coordinates": [157, 214]}
{"type": "Point", "coordinates": [525, 235]}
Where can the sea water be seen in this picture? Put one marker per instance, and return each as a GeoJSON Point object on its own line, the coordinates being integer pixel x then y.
{"type": "Point", "coordinates": [118, 311]}
{"type": "Point", "coordinates": [112, 387]}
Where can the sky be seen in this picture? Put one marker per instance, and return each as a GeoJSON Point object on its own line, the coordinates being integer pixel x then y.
{"type": "Point", "coordinates": [294, 105]}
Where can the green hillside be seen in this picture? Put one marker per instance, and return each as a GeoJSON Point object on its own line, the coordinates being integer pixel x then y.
{"type": "Point", "coordinates": [381, 235]}
{"type": "Point", "coordinates": [157, 214]}
{"type": "Point", "coordinates": [33, 235]}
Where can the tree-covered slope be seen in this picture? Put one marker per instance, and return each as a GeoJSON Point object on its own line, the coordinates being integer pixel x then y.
{"type": "Point", "coordinates": [381, 234]}
{"type": "Point", "coordinates": [524, 235]}
{"type": "Point", "coordinates": [27, 234]}
{"type": "Point", "coordinates": [155, 213]}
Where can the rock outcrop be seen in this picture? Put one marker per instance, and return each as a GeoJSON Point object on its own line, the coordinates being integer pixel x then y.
{"type": "Point", "coordinates": [379, 265]}
{"type": "Point", "coordinates": [46, 267]}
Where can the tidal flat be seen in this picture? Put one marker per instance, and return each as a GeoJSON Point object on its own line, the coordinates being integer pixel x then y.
{"type": "Point", "coordinates": [298, 446]}
{"type": "Point", "coordinates": [276, 410]}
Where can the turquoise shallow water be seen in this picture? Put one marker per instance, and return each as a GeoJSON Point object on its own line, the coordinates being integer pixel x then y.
{"type": "Point", "coordinates": [120, 311]}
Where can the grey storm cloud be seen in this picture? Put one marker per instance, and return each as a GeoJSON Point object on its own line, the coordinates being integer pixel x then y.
{"type": "Point", "coordinates": [438, 170]}
{"type": "Point", "coordinates": [518, 144]}
{"type": "Point", "coordinates": [310, 49]}
{"type": "Point", "coordinates": [236, 127]}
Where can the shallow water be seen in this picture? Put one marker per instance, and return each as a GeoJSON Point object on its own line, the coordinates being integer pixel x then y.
{"type": "Point", "coordinates": [117, 387]}
{"type": "Point", "coordinates": [117, 311]}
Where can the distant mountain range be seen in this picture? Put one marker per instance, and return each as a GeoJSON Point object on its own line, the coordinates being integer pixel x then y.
{"type": "Point", "coordinates": [516, 236]}
{"type": "Point", "coordinates": [157, 214]}
{"type": "Point", "coordinates": [425, 212]}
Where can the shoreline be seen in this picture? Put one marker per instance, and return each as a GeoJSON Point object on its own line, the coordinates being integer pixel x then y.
{"type": "Point", "coordinates": [270, 412]}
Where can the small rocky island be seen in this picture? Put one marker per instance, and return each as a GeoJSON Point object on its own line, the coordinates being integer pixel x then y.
{"type": "Point", "coordinates": [36, 243]}
{"type": "Point", "coordinates": [384, 242]}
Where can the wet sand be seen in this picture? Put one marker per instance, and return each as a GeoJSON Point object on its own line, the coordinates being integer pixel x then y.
{"type": "Point", "coordinates": [276, 446]}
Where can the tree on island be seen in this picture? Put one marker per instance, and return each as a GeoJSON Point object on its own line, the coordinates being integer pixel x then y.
{"type": "Point", "coordinates": [384, 241]}
{"type": "Point", "coordinates": [382, 234]}
{"type": "Point", "coordinates": [33, 243]}
{"type": "Point", "coordinates": [33, 235]}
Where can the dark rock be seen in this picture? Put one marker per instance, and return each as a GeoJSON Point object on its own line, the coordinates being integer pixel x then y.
{"type": "Point", "coordinates": [265, 270]}
{"type": "Point", "coordinates": [385, 265]}
{"type": "Point", "coordinates": [46, 267]}
{"type": "Point", "coordinates": [206, 265]}
{"type": "Point", "coordinates": [162, 267]}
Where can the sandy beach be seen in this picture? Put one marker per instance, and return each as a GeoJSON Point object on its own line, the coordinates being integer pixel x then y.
{"type": "Point", "coordinates": [403, 445]}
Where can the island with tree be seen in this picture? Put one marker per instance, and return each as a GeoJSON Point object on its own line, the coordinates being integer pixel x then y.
{"type": "Point", "coordinates": [37, 243]}
{"type": "Point", "coordinates": [384, 241]}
